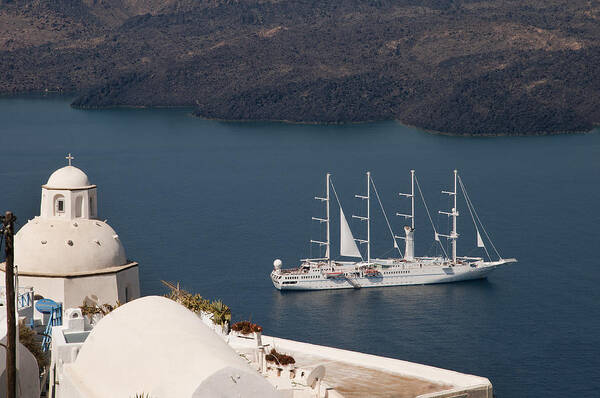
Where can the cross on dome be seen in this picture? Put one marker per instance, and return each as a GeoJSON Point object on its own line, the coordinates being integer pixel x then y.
{"type": "Point", "coordinates": [69, 177]}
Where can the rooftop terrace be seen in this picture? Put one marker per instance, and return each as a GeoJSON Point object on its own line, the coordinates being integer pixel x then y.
{"type": "Point", "coordinates": [354, 374]}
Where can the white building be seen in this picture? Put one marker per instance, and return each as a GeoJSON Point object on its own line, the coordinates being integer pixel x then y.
{"type": "Point", "coordinates": [155, 347]}
{"type": "Point", "coordinates": [152, 347]}
{"type": "Point", "coordinates": [69, 255]}
{"type": "Point", "coordinates": [28, 385]}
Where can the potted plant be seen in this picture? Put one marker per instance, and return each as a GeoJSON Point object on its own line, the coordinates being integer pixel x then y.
{"type": "Point", "coordinates": [247, 329]}
{"type": "Point", "coordinates": [280, 360]}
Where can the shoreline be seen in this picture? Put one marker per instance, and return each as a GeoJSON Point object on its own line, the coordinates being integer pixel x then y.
{"type": "Point", "coordinates": [398, 121]}
{"type": "Point", "coordinates": [193, 109]}
{"type": "Point", "coordinates": [491, 135]}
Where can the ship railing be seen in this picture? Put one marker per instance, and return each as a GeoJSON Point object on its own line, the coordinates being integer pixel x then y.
{"type": "Point", "coordinates": [314, 261]}
{"type": "Point", "coordinates": [288, 271]}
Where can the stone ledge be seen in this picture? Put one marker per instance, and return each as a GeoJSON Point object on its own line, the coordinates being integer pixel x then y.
{"type": "Point", "coordinates": [109, 270]}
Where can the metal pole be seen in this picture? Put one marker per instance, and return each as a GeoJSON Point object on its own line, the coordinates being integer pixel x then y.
{"type": "Point", "coordinates": [412, 198]}
{"type": "Point", "coordinates": [454, 213]}
{"type": "Point", "coordinates": [11, 324]}
{"type": "Point", "coordinates": [368, 217]}
{"type": "Point", "coordinates": [18, 337]}
{"type": "Point", "coordinates": [328, 254]}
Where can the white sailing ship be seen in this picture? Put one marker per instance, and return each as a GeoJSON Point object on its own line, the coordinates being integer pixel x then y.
{"type": "Point", "coordinates": [326, 273]}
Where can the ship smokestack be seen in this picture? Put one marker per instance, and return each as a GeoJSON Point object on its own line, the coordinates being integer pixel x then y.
{"type": "Point", "coordinates": [409, 251]}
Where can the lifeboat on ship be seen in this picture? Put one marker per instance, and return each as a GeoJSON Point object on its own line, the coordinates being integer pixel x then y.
{"type": "Point", "coordinates": [371, 272]}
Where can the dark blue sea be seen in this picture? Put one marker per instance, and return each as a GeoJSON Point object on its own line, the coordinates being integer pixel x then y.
{"type": "Point", "coordinates": [212, 204]}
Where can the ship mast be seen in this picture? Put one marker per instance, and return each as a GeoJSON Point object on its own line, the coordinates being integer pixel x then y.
{"type": "Point", "coordinates": [412, 199]}
{"type": "Point", "coordinates": [409, 249]}
{"type": "Point", "coordinates": [327, 220]}
{"type": "Point", "coordinates": [367, 218]}
{"type": "Point", "coordinates": [327, 250]}
{"type": "Point", "coordinates": [454, 234]}
{"type": "Point", "coordinates": [410, 195]}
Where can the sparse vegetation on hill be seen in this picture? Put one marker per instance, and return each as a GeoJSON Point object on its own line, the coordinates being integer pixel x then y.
{"type": "Point", "coordinates": [462, 67]}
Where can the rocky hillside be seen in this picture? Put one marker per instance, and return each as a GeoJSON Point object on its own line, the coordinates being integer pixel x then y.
{"type": "Point", "coordinates": [462, 67]}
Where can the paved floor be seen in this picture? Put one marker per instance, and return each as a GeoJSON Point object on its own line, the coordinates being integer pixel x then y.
{"type": "Point", "coordinates": [353, 381]}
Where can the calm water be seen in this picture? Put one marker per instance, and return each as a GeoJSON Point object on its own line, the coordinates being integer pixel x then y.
{"type": "Point", "coordinates": [212, 204]}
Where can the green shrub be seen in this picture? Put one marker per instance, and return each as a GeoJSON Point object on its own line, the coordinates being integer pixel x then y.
{"type": "Point", "coordinates": [93, 309]}
{"type": "Point", "coordinates": [221, 314]}
{"type": "Point", "coordinates": [27, 337]}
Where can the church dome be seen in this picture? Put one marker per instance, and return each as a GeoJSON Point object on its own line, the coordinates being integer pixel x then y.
{"type": "Point", "coordinates": [60, 247]}
{"type": "Point", "coordinates": [156, 346]}
{"type": "Point", "coordinates": [68, 177]}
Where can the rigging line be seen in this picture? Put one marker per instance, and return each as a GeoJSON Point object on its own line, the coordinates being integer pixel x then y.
{"type": "Point", "coordinates": [334, 191]}
{"type": "Point", "coordinates": [390, 250]}
{"type": "Point", "coordinates": [429, 215]}
{"type": "Point", "coordinates": [477, 216]}
{"type": "Point", "coordinates": [386, 219]}
{"type": "Point", "coordinates": [471, 209]}
{"type": "Point", "coordinates": [433, 246]}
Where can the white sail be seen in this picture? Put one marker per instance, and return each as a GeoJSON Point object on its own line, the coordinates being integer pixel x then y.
{"type": "Point", "coordinates": [479, 240]}
{"type": "Point", "coordinates": [347, 243]}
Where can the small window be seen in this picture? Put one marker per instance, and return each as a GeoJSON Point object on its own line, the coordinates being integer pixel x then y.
{"type": "Point", "coordinates": [60, 206]}
{"type": "Point", "coordinates": [78, 206]}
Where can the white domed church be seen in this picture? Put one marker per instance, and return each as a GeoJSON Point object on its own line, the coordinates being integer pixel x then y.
{"type": "Point", "coordinates": [67, 254]}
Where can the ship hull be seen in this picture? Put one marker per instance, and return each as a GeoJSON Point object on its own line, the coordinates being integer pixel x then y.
{"type": "Point", "coordinates": [423, 276]}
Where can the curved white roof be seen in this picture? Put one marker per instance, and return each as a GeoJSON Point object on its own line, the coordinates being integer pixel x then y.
{"type": "Point", "coordinates": [155, 346]}
{"type": "Point", "coordinates": [28, 376]}
{"type": "Point", "coordinates": [69, 177]}
{"type": "Point", "coordinates": [53, 246]}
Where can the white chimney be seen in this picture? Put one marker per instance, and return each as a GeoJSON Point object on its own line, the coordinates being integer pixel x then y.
{"type": "Point", "coordinates": [409, 252]}
{"type": "Point", "coordinates": [74, 320]}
